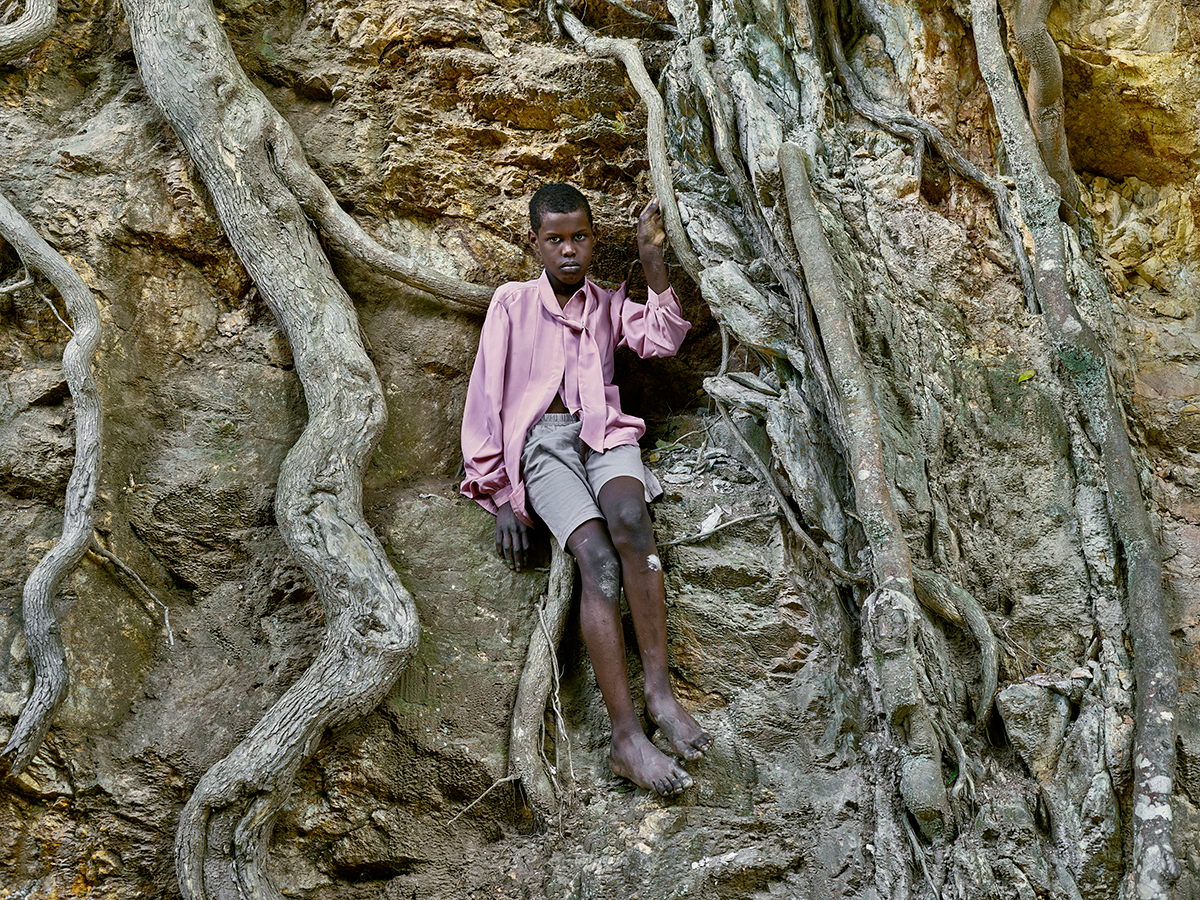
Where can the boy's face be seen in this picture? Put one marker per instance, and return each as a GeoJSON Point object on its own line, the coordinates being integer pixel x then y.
{"type": "Point", "coordinates": [564, 243]}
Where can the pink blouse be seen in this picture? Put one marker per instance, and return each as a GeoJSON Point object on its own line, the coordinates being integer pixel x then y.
{"type": "Point", "coordinates": [530, 350]}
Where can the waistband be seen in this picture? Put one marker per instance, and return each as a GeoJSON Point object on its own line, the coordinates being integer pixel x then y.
{"type": "Point", "coordinates": [557, 419]}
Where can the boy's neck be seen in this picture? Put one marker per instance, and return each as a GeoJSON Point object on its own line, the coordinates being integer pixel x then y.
{"type": "Point", "coordinates": [563, 292]}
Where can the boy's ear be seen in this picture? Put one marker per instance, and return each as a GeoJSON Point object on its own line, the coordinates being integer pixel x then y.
{"type": "Point", "coordinates": [533, 243]}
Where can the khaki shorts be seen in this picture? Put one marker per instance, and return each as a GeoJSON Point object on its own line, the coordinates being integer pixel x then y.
{"type": "Point", "coordinates": [563, 475]}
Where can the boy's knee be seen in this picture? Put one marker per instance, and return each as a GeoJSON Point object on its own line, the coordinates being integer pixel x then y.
{"type": "Point", "coordinates": [600, 567]}
{"type": "Point", "coordinates": [630, 527]}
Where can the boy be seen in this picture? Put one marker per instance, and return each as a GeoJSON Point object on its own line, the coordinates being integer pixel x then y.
{"type": "Point", "coordinates": [543, 431]}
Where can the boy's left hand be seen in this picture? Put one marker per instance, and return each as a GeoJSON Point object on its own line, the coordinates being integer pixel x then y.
{"type": "Point", "coordinates": [651, 233]}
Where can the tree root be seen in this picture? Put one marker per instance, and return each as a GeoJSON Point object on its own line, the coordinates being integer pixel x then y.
{"type": "Point", "coordinates": [919, 132]}
{"type": "Point", "coordinates": [1044, 97]}
{"type": "Point", "coordinates": [656, 131]}
{"type": "Point", "coordinates": [705, 535]}
{"type": "Point", "coordinates": [1156, 691]}
{"type": "Point", "coordinates": [941, 595]}
{"type": "Point", "coordinates": [34, 26]}
{"type": "Point", "coordinates": [229, 129]}
{"type": "Point", "coordinates": [890, 612]}
{"type": "Point", "coordinates": [537, 678]}
{"type": "Point", "coordinates": [41, 626]}
{"type": "Point", "coordinates": [105, 555]}
{"type": "Point", "coordinates": [779, 254]}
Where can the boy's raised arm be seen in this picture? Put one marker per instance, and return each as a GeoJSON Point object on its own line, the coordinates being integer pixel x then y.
{"type": "Point", "coordinates": [657, 327]}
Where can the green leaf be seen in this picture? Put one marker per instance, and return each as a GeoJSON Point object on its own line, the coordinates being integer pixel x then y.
{"type": "Point", "coordinates": [1026, 375]}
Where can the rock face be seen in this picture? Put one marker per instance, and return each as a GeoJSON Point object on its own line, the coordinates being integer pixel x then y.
{"type": "Point", "coordinates": [432, 123]}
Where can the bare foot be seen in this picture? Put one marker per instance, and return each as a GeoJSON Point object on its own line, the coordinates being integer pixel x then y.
{"type": "Point", "coordinates": [646, 766]}
{"type": "Point", "coordinates": [685, 734]}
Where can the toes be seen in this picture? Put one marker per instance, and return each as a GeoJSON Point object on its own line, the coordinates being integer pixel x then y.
{"type": "Point", "coordinates": [696, 747]}
{"type": "Point", "coordinates": [673, 783]}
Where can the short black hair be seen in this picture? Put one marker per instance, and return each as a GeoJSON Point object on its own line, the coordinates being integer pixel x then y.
{"type": "Point", "coordinates": [556, 198]}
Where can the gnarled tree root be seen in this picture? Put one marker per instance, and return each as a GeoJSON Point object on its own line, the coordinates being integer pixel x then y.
{"type": "Point", "coordinates": [1155, 695]}
{"type": "Point", "coordinates": [778, 253]}
{"type": "Point", "coordinates": [235, 137]}
{"type": "Point", "coordinates": [347, 235]}
{"type": "Point", "coordinates": [921, 132]}
{"type": "Point", "coordinates": [41, 627]}
{"type": "Point", "coordinates": [30, 29]}
{"type": "Point", "coordinates": [537, 680]}
{"type": "Point", "coordinates": [940, 594]}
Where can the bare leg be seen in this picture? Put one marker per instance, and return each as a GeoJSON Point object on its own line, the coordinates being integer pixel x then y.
{"type": "Point", "coordinates": [632, 533]}
{"type": "Point", "coordinates": [632, 755]}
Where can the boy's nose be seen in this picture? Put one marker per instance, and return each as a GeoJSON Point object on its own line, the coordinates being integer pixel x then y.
{"type": "Point", "coordinates": [568, 249]}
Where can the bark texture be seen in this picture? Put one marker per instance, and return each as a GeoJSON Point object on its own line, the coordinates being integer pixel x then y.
{"type": "Point", "coordinates": [235, 138]}
{"type": "Point", "coordinates": [28, 30]}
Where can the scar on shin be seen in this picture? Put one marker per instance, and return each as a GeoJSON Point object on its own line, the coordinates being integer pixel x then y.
{"type": "Point", "coordinates": [653, 562]}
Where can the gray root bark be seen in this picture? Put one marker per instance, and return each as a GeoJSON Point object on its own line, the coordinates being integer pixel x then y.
{"type": "Point", "coordinates": [1154, 864]}
{"type": "Point", "coordinates": [236, 139]}
{"type": "Point", "coordinates": [890, 612]}
{"type": "Point", "coordinates": [34, 26]}
{"type": "Point", "coordinates": [656, 132]}
{"type": "Point", "coordinates": [779, 253]}
{"type": "Point", "coordinates": [41, 626]}
{"type": "Point", "coordinates": [538, 678]}
{"type": "Point", "coordinates": [1045, 100]}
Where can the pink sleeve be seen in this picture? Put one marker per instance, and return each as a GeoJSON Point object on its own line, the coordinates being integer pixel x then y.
{"type": "Point", "coordinates": [482, 430]}
{"type": "Point", "coordinates": [655, 328]}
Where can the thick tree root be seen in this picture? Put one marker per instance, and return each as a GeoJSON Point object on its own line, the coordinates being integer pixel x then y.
{"type": "Point", "coordinates": [233, 135]}
{"type": "Point", "coordinates": [1154, 865]}
{"type": "Point", "coordinates": [779, 254]}
{"type": "Point", "coordinates": [656, 131]}
{"type": "Point", "coordinates": [41, 626]}
{"type": "Point", "coordinates": [537, 680]}
{"type": "Point", "coordinates": [921, 132]}
{"type": "Point", "coordinates": [1044, 97]}
{"type": "Point", "coordinates": [890, 612]}
{"type": "Point", "coordinates": [30, 29]}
